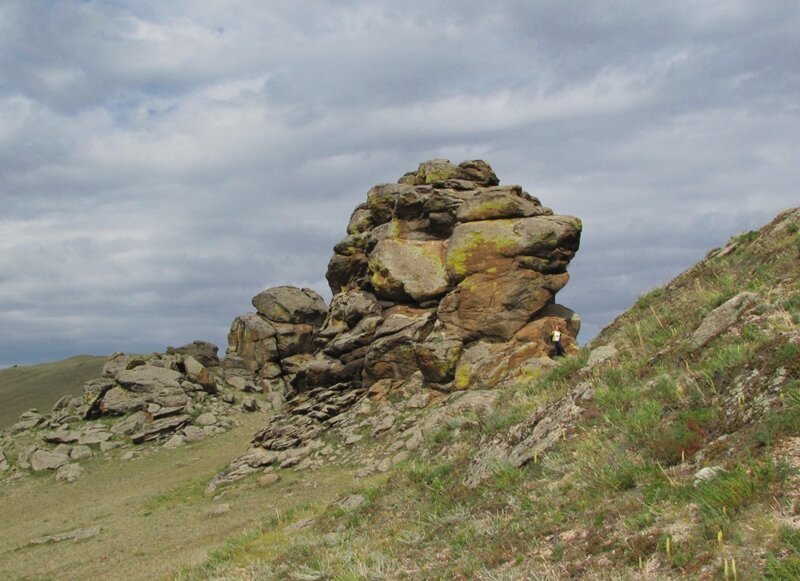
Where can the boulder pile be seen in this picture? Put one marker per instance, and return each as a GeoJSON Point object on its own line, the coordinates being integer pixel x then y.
{"type": "Point", "coordinates": [446, 281]}
{"type": "Point", "coordinates": [169, 398]}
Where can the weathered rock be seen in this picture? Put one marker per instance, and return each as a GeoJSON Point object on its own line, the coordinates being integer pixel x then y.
{"type": "Point", "coordinates": [116, 363]}
{"type": "Point", "coordinates": [437, 358]}
{"type": "Point", "coordinates": [194, 434]}
{"type": "Point", "coordinates": [293, 339]}
{"type": "Point", "coordinates": [497, 305]}
{"type": "Point", "coordinates": [129, 425]}
{"type": "Point", "coordinates": [249, 404]}
{"type": "Point", "coordinates": [441, 171]}
{"type": "Point", "coordinates": [600, 355]}
{"type": "Point", "coordinates": [721, 318]}
{"type": "Point", "coordinates": [61, 437]}
{"type": "Point", "coordinates": [27, 421]}
{"type": "Point", "coordinates": [252, 338]}
{"type": "Point", "coordinates": [157, 428]}
{"type": "Point", "coordinates": [203, 352]}
{"type": "Point", "coordinates": [402, 269]}
{"type": "Point", "coordinates": [207, 419]}
{"type": "Point", "coordinates": [288, 304]}
{"type": "Point", "coordinates": [445, 281]}
{"type": "Point", "coordinates": [197, 372]}
{"type": "Point", "coordinates": [501, 202]}
{"type": "Point", "coordinates": [242, 384]}
{"type": "Point", "coordinates": [47, 460]}
{"type": "Point", "coordinates": [76, 536]}
{"type": "Point", "coordinates": [531, 438]}
{"type": "Point", "coordinates": [149, 379]}
{"type": "Point", "coordinates": [176, 441]}
{"type": "Point", "coordinates": [80, 453]}
{"type": "Point", "coordinates": [707, 474]}
{"type": "Point", "coordinates": [118, 401]}
{"type": "Point", "coordinates": [392, 356]}
{"type": "Point", "coordinates": [69, 472]}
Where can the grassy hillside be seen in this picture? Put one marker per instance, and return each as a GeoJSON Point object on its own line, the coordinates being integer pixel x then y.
{"type": "Point", "coordinates": [620, 497]}
{"type": "Point", "coordinates": [40, 386]}
{"type": "Point", "coordinates": [152, 512]}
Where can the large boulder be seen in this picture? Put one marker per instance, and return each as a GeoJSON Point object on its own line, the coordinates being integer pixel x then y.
{"type": "Point", "coordinates": [403, 269]}
{"type": "Point", "coordinates": [203, 352]}
{"type": "Point", "coordinates": [496, 306]}
{"type": "Point", "coordinates": [149, 379]}
{"type": "Point", "coordinates": [288, 304]}
{"type": "Point", "coordinates": [48, 460]}
{"type": "Point", "coordinates": [253, 339]}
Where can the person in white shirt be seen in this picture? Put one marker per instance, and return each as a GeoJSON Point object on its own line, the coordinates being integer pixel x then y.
{"type": "Point", "coordinates": [558, 348]}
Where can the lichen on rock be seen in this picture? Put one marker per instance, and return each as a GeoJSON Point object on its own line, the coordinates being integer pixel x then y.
{"type": "Point", "coordinates": [445, 281]}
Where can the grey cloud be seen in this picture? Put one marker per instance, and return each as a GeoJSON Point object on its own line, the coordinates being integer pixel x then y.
{"type": "Point", "coordinates": [161, 163]}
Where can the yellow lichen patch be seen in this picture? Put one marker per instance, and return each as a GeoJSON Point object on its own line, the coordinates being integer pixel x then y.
{"type": "Point", "coordinates": [463, 378]}
{"type": "Point", "coordinates": [476, 245]}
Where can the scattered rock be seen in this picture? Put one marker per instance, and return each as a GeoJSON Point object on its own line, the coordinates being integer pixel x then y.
{"type": "Point", "coordinates": [600, 355]}
{"type": "Point", "coordinates": [268, 479]}
{"type": "Point", "coordinates": [157, 428]}
{"type": "Point", "coordinates": [46, 460]}
{"type": "Point", "coordinates": [721, 318]}
{"type": "Point", "coordinates": [207, 419]}
{"type": "Point", "coordinates": [220, 509]}
{"type": "Point", "coordinates": [176, 441]}
{"type": "Point", "coordinates": [61, 437]}
{"type": "Point", "coordinates": [194, 434]}
{"type": "Point", "coordinates": [249, 404]}
{"type": "Point", "coordinates": [351, 502]}
{"type": "Point", "coordinates": [80, 453]}
{"type": "Point", "coordinates": [27, 421]}
{"type": "Point", "coordinates": [76, 535]}
{"type": "Point", "coordinates": [300, 524]}
{"type": "Point", "coordinates": [94, 438]}
{"type": "Point", "coordinates": [69, 472]}
{"type": "Point", "coordinates": [707, 474]}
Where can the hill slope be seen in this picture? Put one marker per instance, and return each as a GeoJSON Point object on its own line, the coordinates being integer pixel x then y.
{"type": "Point", "coordinates": [678, 458]}
{"type": "Point", "coordinates": [40, 386]}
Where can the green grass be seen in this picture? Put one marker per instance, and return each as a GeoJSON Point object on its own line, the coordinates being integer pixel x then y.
{"type": "Point", "coordinates": [41, 386]}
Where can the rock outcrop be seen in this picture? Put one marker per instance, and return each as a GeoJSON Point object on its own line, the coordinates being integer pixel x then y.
{"type": "Point", "coordinates": [172, 398]}
{"type": "Point", "coordinates": [445, 281]}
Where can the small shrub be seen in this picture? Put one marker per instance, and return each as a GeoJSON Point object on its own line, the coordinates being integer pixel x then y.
{"type": "Point", "coordinates": [647, 299]}
{"type": "Point", "coordinates": [784, 563]}
{"type": "Point", "coordinates": [726, 495]}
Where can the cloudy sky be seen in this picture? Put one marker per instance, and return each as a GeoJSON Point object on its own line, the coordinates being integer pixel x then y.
{"type": "Point", "coordinates": [162, 162]}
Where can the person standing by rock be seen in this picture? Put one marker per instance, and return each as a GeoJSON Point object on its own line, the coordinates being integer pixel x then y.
{"type": "Point", "coordinates": [558, 348]}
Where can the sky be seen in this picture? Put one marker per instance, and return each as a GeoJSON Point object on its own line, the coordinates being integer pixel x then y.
{"type": "Point", "coordinates": [163, 162]}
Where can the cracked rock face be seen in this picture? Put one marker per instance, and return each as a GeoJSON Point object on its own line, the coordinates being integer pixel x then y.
{"type": "Point", "coordinates": [431, 267]}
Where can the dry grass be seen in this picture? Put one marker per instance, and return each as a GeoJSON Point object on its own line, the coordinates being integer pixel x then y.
{"type": "Point", "coordinates": [152, 510]}
{"type": "Point", "coordinates": [40, 386]}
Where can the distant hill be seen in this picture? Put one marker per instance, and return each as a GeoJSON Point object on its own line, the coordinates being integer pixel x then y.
{"type": "Point", "coordinates": [40, 386]}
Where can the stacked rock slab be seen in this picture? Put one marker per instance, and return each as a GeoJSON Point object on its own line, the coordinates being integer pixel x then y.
{"type": "Point", "coordinates": [267, 348]}
{"type": "Point", "coordinates": [449, 275]}
{"type": "Point", "coordinates": [445, 280]}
